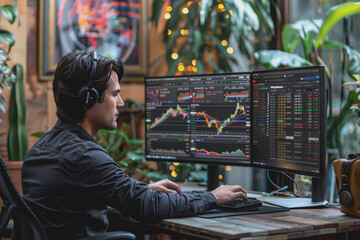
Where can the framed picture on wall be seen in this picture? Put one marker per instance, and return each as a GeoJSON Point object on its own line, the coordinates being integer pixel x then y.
{"type": "Point", "coordinates": [113, 28]}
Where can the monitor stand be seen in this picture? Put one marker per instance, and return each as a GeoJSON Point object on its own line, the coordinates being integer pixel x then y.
{"type": "Point", "coordinates": [316, 200]}
{"type": "Point", "coordinates": [213, 177]}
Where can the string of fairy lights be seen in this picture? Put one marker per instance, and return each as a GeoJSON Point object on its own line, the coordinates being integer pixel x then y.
{"type": "Point", "coordinates": [185, 32]}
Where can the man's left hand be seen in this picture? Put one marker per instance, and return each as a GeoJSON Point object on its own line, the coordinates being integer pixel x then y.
{"type": "Point", "coordinates": [165, 185]}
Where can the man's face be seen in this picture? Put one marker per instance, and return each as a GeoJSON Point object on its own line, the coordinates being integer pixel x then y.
{"type": "Point", "coordinates": [103, 115]}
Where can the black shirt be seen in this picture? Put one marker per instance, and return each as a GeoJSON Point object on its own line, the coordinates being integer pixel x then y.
{"type": "Point", "coordinates": [69, 180]}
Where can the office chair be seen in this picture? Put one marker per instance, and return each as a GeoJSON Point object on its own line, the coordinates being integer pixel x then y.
{"type": "Point", "coordinates": [26, 225]}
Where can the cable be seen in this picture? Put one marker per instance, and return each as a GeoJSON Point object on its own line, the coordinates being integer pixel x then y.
{"type": "Point", "coordinates": [268, 176]}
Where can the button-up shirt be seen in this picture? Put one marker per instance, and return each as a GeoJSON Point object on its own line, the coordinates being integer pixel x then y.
{"type": "Point", "coordinates": [68, 180]}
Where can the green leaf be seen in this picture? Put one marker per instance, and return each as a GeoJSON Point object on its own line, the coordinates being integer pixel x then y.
{"type": "Point", "coordinates": [277, 58]}
{"type": "Point", "coordinates": [354, 60]}
{"type": "Point", "coordinates": [17, 137]}
{"type": "Point", "coordinates": [136, 142]}
{"type": "Point", "coordinates": [293, 33]}
{"type": "Point", "coordinates": [7, 38]}
{"type": "Point", "coordinates": [356, 77]}
{"type": "Point", "coordinates": [134, 157]}
{"type": "Point", "coordinates": [334, 15]}
{"type": "Point", "coordinates": [251, 18]}
{"type": "Point", "coordinates": [173, 66]}
{"type": "Point", "coordinates": [10, 12]}
{"type": "Point", "coordinates": [156, 10]}
{"type": "Point", "coordinates": [197, 43]}
{"type": "Point", "coordinates": [204, 10]}
{"type": "Point", "coordinates": [3, 55]}
{"type": "Point", "coordinates": [37, 134]}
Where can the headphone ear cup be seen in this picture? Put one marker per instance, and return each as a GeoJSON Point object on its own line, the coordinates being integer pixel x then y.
{"type": "Point", "coordinates": [88, 96]}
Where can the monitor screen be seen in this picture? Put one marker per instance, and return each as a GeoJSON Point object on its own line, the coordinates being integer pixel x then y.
{"type": "Point", "coordinates": [199, 118]}
{"type": "Point", "coordinates": [289, 120]}
{"type": "Point", "coordinates": [273, 119]}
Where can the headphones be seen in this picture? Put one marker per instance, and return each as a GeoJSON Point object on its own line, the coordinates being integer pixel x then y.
{"type": "Point", "coordinates": [345, 197]}
{"type": "Point", "coordinates": [87, 94]}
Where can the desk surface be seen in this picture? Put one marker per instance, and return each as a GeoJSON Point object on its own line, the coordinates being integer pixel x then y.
{"type": "Point", "coordinates": [296, 223]}
{"type": "Point", "coordinates": [316, 223]}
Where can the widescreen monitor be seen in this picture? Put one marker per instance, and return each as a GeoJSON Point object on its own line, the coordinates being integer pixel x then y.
{"type": "Point", "coordinates": [273, 119]}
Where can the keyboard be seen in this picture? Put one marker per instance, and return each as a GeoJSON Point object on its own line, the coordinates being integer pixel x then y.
{"type": "Point", "coordinates": [239, 204]}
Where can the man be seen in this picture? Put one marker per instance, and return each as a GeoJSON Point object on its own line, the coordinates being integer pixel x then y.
{"type": "Point", "coordinates": [68, 179]}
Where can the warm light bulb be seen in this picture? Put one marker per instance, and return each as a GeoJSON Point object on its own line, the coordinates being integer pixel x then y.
{"type": "Point", "coordinates": [185, 10]}
{"type": "Point", "coordinates": [224, 43]}
{"type": "Point", "coordinates": [169, 8]}
{"type": "Point", "coordinates": [174, 56]}
{"type": "Point", "coordinates": [176, 163]}
{"type": "Point", "coordinates": [193, 62]}
{"type": "Point", "coordinates": [173, 174]}
{"type": "Point", "coordinates": [230, 50]}
{"type": "Point", "coordinates": [167, 16]}
{"type": "Point", "coordinates": [172, 167]}
{"type": "Point", "coordinates": [220, 177]}
{"type": "Point", "coordinates": [195, 69]}
{"type": "Point", "coordinates": [221, 6]}
{"type": "Point", "coordinates": [228, 168]}
{"type": "Point", "coordinates": [169, 32]}
{"type": "Point", "coordinates": [182, 31]}
{"type": "Point", "coordinates": [181, 67]}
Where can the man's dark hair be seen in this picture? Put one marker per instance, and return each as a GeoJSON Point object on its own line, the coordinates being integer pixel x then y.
{"type": "Point", "coordinates": [72, 72]}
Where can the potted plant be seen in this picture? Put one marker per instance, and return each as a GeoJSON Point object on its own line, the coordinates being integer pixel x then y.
{"type": "Point", "coordinates": [13, 78]}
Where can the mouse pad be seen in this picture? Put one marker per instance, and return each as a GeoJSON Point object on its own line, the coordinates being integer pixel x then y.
{"type": "Point", "coordinates": [214, 213]}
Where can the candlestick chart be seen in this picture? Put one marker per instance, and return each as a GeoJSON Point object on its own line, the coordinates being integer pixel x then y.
{"type": "Point", "coordinates": [231, 119]}
{"type": "Point", "coordinates": [173, 118]}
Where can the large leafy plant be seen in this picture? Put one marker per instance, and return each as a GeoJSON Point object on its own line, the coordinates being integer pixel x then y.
{"type": "Point", "coordinates": [308, 42]}
{"type": "Point", "coordinates": [7, 41]}
{"type": "Point", "coordinates": [198, 33]}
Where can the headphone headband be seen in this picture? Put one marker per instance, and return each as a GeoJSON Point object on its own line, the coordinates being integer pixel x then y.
{"type": "Point", "coordinates": [94, 60]}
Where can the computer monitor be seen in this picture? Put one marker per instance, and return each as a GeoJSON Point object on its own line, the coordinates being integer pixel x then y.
{"type": "Point", "coordinates": [274, 119]}
{"type": "Point", "coordinates": [288, 118]}
{"type": "Point", "coordinates": [199, 119]}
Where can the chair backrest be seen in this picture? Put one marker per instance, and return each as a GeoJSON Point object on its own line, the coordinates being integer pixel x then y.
{"type": "Point", "coordinates": [26, 225]}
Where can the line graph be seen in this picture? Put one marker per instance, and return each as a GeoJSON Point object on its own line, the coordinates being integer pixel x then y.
{"type": "Point", "coordinates": [174, 118]}
{"type": "Point", "coordinates": [210, 119]}
{"type": "Point", "coordinates": [236, 153]}
{"type": "Point", "coordinates": [229, 148]}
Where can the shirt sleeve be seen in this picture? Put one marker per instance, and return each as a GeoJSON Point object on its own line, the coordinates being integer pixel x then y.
{"type": "Point", "coordinates": [99, 173]}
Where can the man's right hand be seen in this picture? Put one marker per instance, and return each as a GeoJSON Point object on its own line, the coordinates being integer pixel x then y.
{"type": "Point", "coordinates": [227, 193]}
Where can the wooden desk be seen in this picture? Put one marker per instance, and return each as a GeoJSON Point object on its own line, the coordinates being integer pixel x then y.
{"type": "Point", "coordinates": [322, 223]}
{"type": "Point", "coordinates": [326, 223]}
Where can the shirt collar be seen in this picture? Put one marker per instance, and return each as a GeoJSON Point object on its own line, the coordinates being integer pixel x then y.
{"type": "Point", "coordinates": [76, 129]}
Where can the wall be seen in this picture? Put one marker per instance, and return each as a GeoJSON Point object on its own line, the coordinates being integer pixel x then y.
{"type": "Point", "coordinates": [40, 105]}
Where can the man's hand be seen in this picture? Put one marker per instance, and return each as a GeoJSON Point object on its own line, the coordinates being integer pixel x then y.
{"type": "Point", "coordinates": [227, 193]}
{"type": "Point", "coordinates": [165, 185]}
